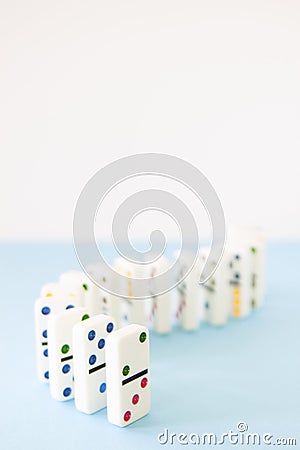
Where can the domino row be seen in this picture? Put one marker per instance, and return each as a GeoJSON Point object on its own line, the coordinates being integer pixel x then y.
{"type": "Point", "coordinates": [85, 357]}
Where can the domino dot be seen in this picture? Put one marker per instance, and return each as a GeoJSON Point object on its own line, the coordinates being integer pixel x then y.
{"type": "Point", "coordinates": [253, 250]}
{"type": "Point", "coordinates": [46, 310]}
{"type": "Point", "coordinates": [91, 335]}
{"type": "Point", "coordinates": [46, 375]}
{"type": "Point", "coordinates": [135, 399]}
{"type": "Point", "coordinates": [85, 287]}
{"type": "Point", "coordinates": [66, 368]}
{"type": "Point", "coordinates": [92, 359]}
{"type": "Point", "coordinates": [65, 348]}
{"type": "Point", "coordinates": [70, 306]}
{"type": "Point", "coordinates": [110, 327]}
{"type": "Point", "coordinates": [143, 337]}
{"type": "Point", "coordinates": [237, 257]}
{"type": "Point", "coordinates": [127, 416]}
{"type": "Point", "coordinates": [67, 392]}
{"type": "Point", "coordinates": [46, 352]}
{"type": "Point", "coordinates": [102, 388]}
{"type": "Point", "coordinates": [144, 382]}
{"type": "Point", "coordinates": [85, 316]}
{"type": "Point", "coordinates": [126, 370]}
{"type": "Point", "coordinates": [237, 276]}
{"type": "Point", "coordinates": [44, 333]}
{"type": "Point", "coordinates": [104, 300]}
{"type": "Point", "coordinates": [101, 343]}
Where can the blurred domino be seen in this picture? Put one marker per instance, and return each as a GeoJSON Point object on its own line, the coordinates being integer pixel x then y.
{"type": "Point", "coordinates": [252, 239]}
{"type": "Point", "coordinates": [188, 310]}
{"type": "Point", "coordinates": [127, 372]}
{"type": "Point", "coordinates": [61, 352]}
{"type": "Point", "coordinates": [135, 309]}
{"type": "Point", "coordinates": [89, 343]}
{"type": "Point", "coordinates": [216, 291]}
{"type": "Point", "coordinates": [161, 304]}
{"type": "Point", "coordinates": [240, 282]}
{"type": "Point", "coordinates": [54, 298]}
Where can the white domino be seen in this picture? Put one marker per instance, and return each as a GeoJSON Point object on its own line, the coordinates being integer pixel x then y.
{"type": "Point", "coordinates": [136, 310]}
{"type": "Point", "coordinates": [89, 347]}
{"type": "Point", "coordinates": [188, 291]}
{"type": "Point", "coordinates": [54, 298]}
{"type": "Point", "coordinates": [216, 292]}
{"type": "Point", "coordinates": [161, 304]}
{"type": "Point", "coordinates": [127, 372]}
{"type": "Point", "coordinates": [61, 352]}
{"type": "Point", "coordinates": [240, 282]}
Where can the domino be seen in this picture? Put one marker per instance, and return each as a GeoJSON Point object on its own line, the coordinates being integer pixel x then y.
{"type": "Point", "coordinates": [61, 352]}
{"type": "Point", "coordinates": [188, 291]}
{"type": "Point", "coordinates": [216, 291]}
{"type": "Point", "coordinates": [127, 372]}
{"type": "Point", "coordinates": [99, 301]}
{"type": "Point", "coordinates": [89, 343]}
{"type": "Point", "coordinates": [161, 304]}
{"type": "Point", "coordinates": [240, 282]}
{"type": "Point", "coordinates": [53, 299]}
{"type": "Point", "coordinates": [252, 240]}
{"type": "Point", "coordinates": [135, 309]}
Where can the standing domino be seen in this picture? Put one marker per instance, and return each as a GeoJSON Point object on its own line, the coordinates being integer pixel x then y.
{"type": "Point", "coordinates": [61, 352]}
{"type": "Point", "coordinates": [161, 304]}
{"type": "Point", "coordinates": [216, 291]}
{"type": "Point", "coordinates": [136, 309]}
{"type": "Point", "coordinates": [240, 282]}
{"type": "Point", "coordinates": [54, 298]}
{"type": "Point", "coordinates": [188, 310]}
{"type": "Point", "coordinates": [127, 372]}
{"type": "Point", "coordinates": [89, 343]}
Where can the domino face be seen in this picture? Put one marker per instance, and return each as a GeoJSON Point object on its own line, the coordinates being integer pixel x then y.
{"type": "Point", "coordinates": [61, 352]}
{"type": "Point", "coordinates": [53, 299]}
{"type": "Point", "coordinates": [161, 304]}
{"type": "Point", "coordinates": [240, 282]}
{"type": "Point", "coordinates": [216, 291]}
{"type": "Point", "coordinates": [127, 371]}
{"type": "Point", "coordinates": [89, 346]}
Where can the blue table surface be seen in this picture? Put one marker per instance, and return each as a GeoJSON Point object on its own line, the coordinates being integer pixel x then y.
{"type": "Point", "coordinates": [205, 381]}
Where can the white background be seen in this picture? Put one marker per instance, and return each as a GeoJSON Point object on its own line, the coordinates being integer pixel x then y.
{"type": "Point", "coordinates": [86, 82]}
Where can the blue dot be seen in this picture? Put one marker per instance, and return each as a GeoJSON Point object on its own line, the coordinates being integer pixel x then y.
{"type": "Point", "coordinates": [66, 368]}
{"type": "Point", "coordinates": [70, 306]}
{"type": "Point", "coordinates": [92, 359]}
{"type": "Point", "coordinates": [110, 327]}
{"type": "Point", "coordinates": [46, 352]}
{"type": "Point", "coordinates": [45, 334]}
{"type": "Point", "coordinates": [46, 310]}
{"type": "Point", "coordinates": [101, 343]}
{"type": "Point", "coordinates": [67, 392]}
{"type": "Point", "coordinates": [102, 388]}
{"type": "Point", "coordinates": [46, 375]}
{"type": "Point", "coordinates": [91, 335]}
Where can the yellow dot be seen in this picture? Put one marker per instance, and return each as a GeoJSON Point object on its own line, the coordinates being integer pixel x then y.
{"type": "Point", "coordinates": [236, 301]}
{"type": "Point", "coordinates": [49, 294]}
{"type": "Point", "coordinates": [236, 312]}
{"type": "Point", "coordinates": [236, 292]}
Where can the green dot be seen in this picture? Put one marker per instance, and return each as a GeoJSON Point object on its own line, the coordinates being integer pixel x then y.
{"type": "Point", "coordinates": [85, 287]}
{"type": "Point", "coordinates": [126, 370]}
{"type": "Point", "coordinates": [85, 316]}
{"type": "Point", "coordinates": [253, 249]}
{"type": "Point", "coordinates": [143, 336]}
{"type": "Point", "coordinates": [65, 348]}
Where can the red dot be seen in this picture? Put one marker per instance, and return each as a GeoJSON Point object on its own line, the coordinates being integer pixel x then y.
{"type": "Point", "coordinates": [144, 382]}
{"type": "Point", "coordinates": [127, 416]}
{"type": "Point", "coordinates": [135, 399]}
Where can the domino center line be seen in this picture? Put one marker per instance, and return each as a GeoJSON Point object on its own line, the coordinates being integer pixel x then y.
{"type": "Point", "coordinates": [94, 369]}
{"type": "Point", "coordinates": [134, 377]}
